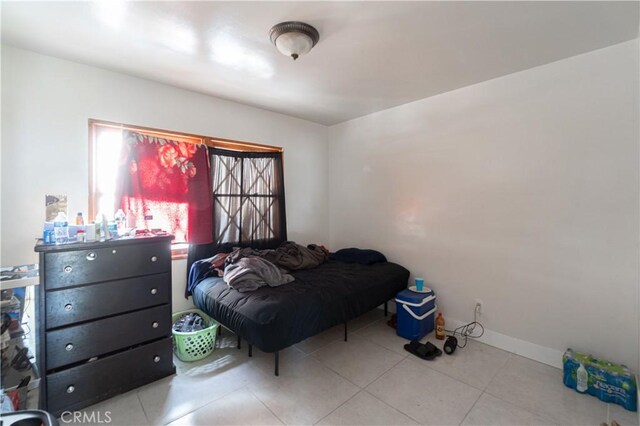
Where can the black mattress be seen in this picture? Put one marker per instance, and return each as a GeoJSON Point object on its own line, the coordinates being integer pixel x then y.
{"type": "Point", "coordinates": [273, 318]}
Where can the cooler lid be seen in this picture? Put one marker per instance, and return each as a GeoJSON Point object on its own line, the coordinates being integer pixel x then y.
{"type": "Point", "coordinates": [407, 295]}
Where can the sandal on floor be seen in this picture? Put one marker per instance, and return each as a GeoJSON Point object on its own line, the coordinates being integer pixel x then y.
{"type": "Point", "coordinates": [427, 351]}
{"type": "Point", "coordinates": [431, 347]}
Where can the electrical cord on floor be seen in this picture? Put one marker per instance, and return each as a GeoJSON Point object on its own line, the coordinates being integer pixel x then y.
{"type": "Point", "coordinates": [466, 331]}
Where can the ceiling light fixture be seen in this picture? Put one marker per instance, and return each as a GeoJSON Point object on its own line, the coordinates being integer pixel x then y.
{"type": "Point", "coordinates": [294, 38]}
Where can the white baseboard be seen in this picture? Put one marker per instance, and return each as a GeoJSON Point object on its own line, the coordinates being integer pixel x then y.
{"type": "Point", "coordinates": [552, 357]}
{"type": "Point", "coordinates": [523, 348]}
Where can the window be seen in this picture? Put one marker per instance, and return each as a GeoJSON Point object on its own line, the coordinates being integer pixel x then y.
{"type": "Point", "coordinates": [110, 146]}
{"type": "Point", "coordinates": [248, 198]}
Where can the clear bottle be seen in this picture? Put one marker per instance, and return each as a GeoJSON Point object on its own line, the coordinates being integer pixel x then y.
{"type": "Point", "coordinates": [61, 228]}
{"type": "Point", "coordinates": [582, 379]}
{"type": "Point", "coordinates": [98, 224]}
{"type": "Point", "coordinates": [121, 222]}
{"type": "Point", "coordinates": [148, 219]}
{"type": "Point", "coordinates": [131, 219]}
{"type": "Point", "coordinates": [79, 219]}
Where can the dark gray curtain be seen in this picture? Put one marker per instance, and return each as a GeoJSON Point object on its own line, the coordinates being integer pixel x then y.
{"type": "Point", "coordinates": [248, 198]}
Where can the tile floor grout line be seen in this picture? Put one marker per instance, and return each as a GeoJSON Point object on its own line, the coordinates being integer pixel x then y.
{"type": "Point", "coordinates": [205, 404]}
{"type": "Point", "coordinates": [385, 372]}
{"type": "Point", "coordinates": [332, 411]}
{"type": "Point", "coordinates": [391, 406]}
{"type": "Point", "coordinates": [265, 405]}
{"type": "Point", "coordinates": [537, 414]}
{"type": "Point", "coordinates": [483, 389]}
{"type": "Point", "coordinates": [326, 366]}
{"type": "Point", "coordinates": [339, 338]}
{"type": "Point", "coordinates": [143, 409]}
{"type": "Point", "coordinates": [450, 376]}
{"type": "Point", "coordinates": [323, 346]}
{"type": "Point", "coordinates": [347, 379]}
{"type": "Point", "coordinates": [522, 407]}
{"type": "Point", "coordinates": [329, 368]}
{"type": "Point", "coordinates": [367, 326]}
{"type": "Point", "coordinates": [474, 404]}
{"type": "Point", "coordinates": [378, 344]}
{"type": "Point", "coordinates": [488, 392]}
{"type": "Point", "coordinates": [496, 375]}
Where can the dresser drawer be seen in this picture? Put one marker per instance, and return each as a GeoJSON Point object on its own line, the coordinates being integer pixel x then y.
{"type": "Point", "coordinates": [94, 301]}
{"type": "Point", "coordinates": [69, 268]}
{"type": "Point", "coordinates": [81, 386]}
{"type": "Point", "coordinates": [81, 342]}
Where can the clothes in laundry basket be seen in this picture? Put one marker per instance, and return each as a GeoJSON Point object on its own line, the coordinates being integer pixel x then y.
{"type": "Point", "coordinates": [189, 322]}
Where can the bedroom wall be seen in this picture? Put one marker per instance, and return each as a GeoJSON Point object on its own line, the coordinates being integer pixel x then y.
{"type": "Point", "coordinates": [520, 191]}
{"type": "Point", "coordinates": [46, 103]}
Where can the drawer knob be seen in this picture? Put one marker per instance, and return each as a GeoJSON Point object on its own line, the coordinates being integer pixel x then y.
{"type": "Point", "coordinates": [154, 291]}
{"type": "Point", "coordinates": [155, 324]}
{"type": "Point", "coordinates": [68, 269]}
{"type": "Point", "coordinates": [70, 389]}
{"type": "Point", "coordinates": [154, 259]}
{"type": "Point", "coordinates": [69, 347]}
{"type": "Point", "coordinates": [156, 359]}
{"type": "Point", "coordinates": [91, 256]}
{"type": "Point", "coordinates": [68, 307]}
{"type": "Point", "coordinates": [114, 251]}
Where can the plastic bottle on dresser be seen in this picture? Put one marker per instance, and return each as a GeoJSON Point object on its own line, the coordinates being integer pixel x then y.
{"type": "Point", "coordinates": [100, 235]}
{"type": "Point", "coordinates": [79, 219]}
{"type": "Point", "coordinates": [148, 219]}
{"type": "Point", "coordinates": [121, 222]}
{"type": "Point", "coordinates": [131, 219]}
{"type": "Point", "coordinates": [61, 228]}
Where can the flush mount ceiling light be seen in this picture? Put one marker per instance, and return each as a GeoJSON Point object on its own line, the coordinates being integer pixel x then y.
{"type": "Point", "coordinates": [294, 38]}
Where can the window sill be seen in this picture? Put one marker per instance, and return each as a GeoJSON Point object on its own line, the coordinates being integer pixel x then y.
{"type": "Point", "coordinates": [179, 251]}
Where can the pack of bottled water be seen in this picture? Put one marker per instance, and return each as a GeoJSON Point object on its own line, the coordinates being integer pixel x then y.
{"type": "Point", "coordinates": [614, 383]}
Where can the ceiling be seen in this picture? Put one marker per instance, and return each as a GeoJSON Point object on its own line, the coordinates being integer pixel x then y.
{"type": "Point", "coordinates": [371, 55]}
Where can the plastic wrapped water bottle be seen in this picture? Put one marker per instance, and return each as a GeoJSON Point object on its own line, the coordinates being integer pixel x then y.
{"type": "Point", "coordinates": [61, 228]}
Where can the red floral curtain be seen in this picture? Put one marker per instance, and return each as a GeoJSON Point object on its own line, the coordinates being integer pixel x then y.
{"type": "Point", "coordinates": [166, 185]}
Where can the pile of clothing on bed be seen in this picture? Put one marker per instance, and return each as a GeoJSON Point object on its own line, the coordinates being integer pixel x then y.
{"type": "Point", "coordinates": [247, 269]}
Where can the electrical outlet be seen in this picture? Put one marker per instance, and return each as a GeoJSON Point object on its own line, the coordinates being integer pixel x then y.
{"type": "Point", "coordinates": [479, 306]}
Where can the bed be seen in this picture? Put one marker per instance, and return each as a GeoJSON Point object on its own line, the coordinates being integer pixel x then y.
{"type": "Point", "coordinates": [274, 318]}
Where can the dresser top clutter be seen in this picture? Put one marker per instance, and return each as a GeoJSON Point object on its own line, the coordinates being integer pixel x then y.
{"type": "Point", "coordinates": [72, 246]}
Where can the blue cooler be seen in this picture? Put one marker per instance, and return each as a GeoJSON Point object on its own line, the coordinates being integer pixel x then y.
{"type": "Point", "coordinates": [416, 313]}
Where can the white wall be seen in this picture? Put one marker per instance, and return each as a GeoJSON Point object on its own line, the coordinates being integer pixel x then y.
{"type": "Point", "coordinates": [46, 104]}
{"type": "Point", "coordinates": [521, 191]}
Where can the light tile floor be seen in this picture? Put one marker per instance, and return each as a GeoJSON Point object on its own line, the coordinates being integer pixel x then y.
{"type": "Point", "coordinates": [369, 380]}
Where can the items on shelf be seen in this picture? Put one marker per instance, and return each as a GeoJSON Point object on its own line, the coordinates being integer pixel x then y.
{"type": "Point", "coordinates": [57, 229]}
{"type": "Point", "coordinates": [54, 204]}
{"type": "Point", "coordinates": [61, 228]}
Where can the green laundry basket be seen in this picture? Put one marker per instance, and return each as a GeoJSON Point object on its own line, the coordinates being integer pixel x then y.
{"type": "Point", "coordinates": [195, 345]}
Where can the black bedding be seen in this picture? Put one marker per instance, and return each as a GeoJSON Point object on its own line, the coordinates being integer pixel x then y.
{"type": "Point", "coordinates": [273, 318]}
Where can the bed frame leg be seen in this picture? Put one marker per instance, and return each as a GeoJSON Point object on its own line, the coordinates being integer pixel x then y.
{"type": "Point", "coordinates": [219, 330]}
{"type": "Point", "coordinates": [239, 343]}
{"type": "Point", "coordinates": [345, 331]}
{"type": "Point", "coordinates": [277, 359]}
{"type": "Point", "coordinates": [250, 350]}
{"type": "Point", "coordinates": [386, 308]}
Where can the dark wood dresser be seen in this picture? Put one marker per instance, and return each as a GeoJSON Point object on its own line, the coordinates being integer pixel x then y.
{"type": "Point", "coordinates": [104, 319]}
